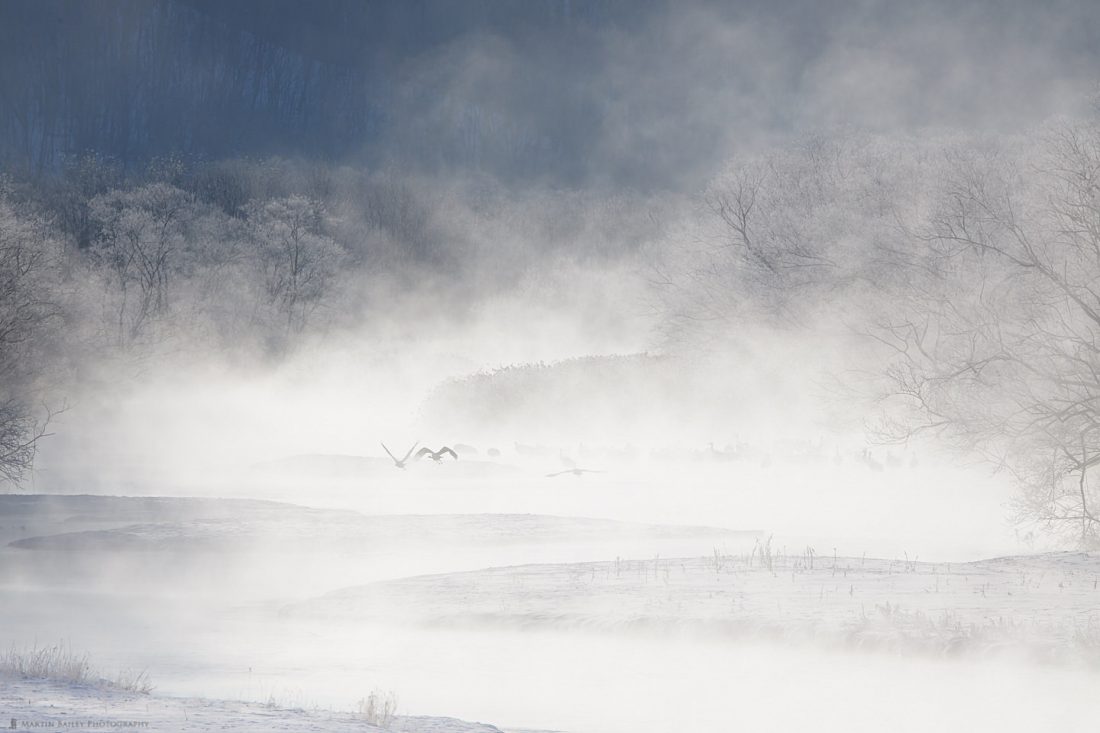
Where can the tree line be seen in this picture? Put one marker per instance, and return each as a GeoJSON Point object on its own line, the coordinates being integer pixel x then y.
{"type": "Point", "coordinates": [251, 259]}
{"type": "Point", "coordinates": [236, 257]}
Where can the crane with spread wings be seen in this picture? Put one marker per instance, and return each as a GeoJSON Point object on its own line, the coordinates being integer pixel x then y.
{"type": "Point", "coordinates": [400, 463]}
{"type": "Point", "coordinates": [574, 471]}
{"type": "Point", "coordinates": [436, 455]}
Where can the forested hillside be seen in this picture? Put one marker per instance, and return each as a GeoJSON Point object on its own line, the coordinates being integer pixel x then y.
{"type": "Point", "coordinates": [648, 93]}
{"type": "Point", "coordinates": [138, 79]}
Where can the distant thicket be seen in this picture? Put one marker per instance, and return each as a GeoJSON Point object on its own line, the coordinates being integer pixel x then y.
{"type": "Point", "coordinates": [514, 399]}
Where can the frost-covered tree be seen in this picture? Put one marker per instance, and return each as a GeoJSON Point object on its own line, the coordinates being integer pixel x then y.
{"type": "Point", "coordinates": [780, 236]}
{"type": "Point", "coordinates": [996, 338]}
{"type": "Point", "coordinates": [297, 261]}
{"type": "Point", "coordinates": [142, 244]}
{"type": "Point", "coordinates": [28, 311]}
{"type": "Point", "coordinates": [975, 262]}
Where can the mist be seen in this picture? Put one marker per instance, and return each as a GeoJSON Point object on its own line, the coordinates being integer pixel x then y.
{"type": "Point", "coordinates": [571, 365]}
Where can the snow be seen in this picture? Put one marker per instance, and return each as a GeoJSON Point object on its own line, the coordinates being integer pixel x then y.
{"type": "Point", "coordinates": [1047, 605]}
{"type": "Point", "coordinates": [90, 523]}
{"type": "Point", "coordinates": [42, 703]}
{"type": "Point", "coordinates": [528, 620]}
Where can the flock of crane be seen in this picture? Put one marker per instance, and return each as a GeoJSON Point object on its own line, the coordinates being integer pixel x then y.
{"type": "Point", "coordinates": [801, 454]}
{"type": "Point", "coordinates": [437, 456]}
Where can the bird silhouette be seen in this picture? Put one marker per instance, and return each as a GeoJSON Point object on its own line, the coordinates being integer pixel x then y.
{"type": "Point", "coordinates": [435, 455]}
{"type": "Point", "coordinates": [574, 471]}
{"type": "Point", "coordinates": [399, 463]}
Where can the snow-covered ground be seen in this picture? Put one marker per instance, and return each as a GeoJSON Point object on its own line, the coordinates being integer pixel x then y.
{"type": "Point", "coordinates": [36, 704]}
{"type": "Point", "coordinates": [250, 548]}
{"type": "Point", "coordinates": [1046, 605]}
{"type": "Point", "coordinates": [641, 599]}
